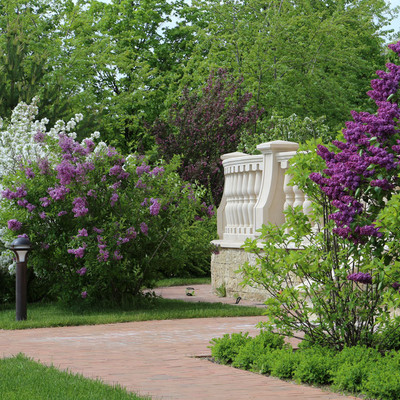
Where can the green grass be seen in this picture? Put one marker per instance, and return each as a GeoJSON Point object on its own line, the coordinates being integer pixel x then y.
{"type": "Point", "coordinates": [24, 379]}
{"type": "Point", "coordinates": [42, 315]}
{"type": "Point", "coordinates": [182, 282]}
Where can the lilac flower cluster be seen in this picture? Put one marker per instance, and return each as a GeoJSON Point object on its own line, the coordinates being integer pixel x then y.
{"type": "Point", "coordinates": [82, 271]}
{"type": "Point", "coordinates": [156, 171]}
{"type": "Point", "coordinates": [144, 228]}
{"type": "Point", "coordinates": [142, 169]}
{"type": "Point", "coordinates": [14, 225]}
{"type": "Point", "coordinates": [360, 277]}
{"type": "Point", "coordinates": [80, 207]}
{"type": "Point", "coordinates": [130, 235]}
{"type": "Point", "coordinates": [154, 206]}
{"type": "Point", "coordinates": [79, 252]}
{"type": "Point", "coordinates": [39, 137]}
{"type": "Point", "coordinates": [29, 173]}
{"type": "Point", "coordinates": [369, 157]}
{"type": "Point", "coordinates": [114, 199]}
{"type": "Point", "coordinates": [82, 233]}
{"type": "Point", "coordinates": [58, 192]}
{"type": "Point", "coordinates": [44, 166]}
{"type": "Point", "coordinates": [103, 253]}
{"type": "Point", "coordinates": [19, 193]}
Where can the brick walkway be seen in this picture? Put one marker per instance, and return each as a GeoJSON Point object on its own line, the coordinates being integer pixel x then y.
{"type": "Point", "coordinates": [156, 358]}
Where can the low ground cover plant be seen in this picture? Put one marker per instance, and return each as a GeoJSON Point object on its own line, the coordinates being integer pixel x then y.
{"type": "Point", "coordinates": [357, 370]}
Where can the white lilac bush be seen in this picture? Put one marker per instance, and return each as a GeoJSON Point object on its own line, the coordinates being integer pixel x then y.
{"type": "Point", "coordinates": [102, 225]}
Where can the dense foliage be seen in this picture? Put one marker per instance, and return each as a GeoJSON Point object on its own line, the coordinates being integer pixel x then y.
{"type": "Point", "coordinates": [202, 128]}
{"type": "Point", "coordinates": [103, 226]}
{"type": "Point", "coordinates": [340, 285]}
{"type": "Point", "coordinates": [357, 370]}
{"type": "Point", "coordinates": [124, 63]}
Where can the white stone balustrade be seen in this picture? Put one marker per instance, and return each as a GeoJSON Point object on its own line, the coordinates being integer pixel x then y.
{"type": "Point", "coordinates": [256, 191]}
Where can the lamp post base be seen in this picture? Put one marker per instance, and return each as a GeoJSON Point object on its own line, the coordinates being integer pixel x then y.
{"type": "Point", "coordinates": [21, 292]}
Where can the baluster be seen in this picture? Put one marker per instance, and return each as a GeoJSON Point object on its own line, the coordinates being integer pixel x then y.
{"type": "Point", "coordinates": [228, 190]}
{"type": "Point", "coordinates": [298, 197]}
{"type": "Point", "coordinates": [289, 193]}
{"type": "Point", "coordinates": [251, 199]}
{"type": "Point", "coordinates": [307, 205]}
{"type": "Point", "coordinates": [257, 191]}
{"type": "Point", "coordinates": [245, 198]}
{"type": "Point", "coordinates": [239, 196]}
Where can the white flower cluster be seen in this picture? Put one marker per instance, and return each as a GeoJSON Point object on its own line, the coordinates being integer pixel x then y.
{"type": "Point", "coordinates": [17, 141]}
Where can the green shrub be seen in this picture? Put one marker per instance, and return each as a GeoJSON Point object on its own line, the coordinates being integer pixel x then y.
{"type": "Point", "coordinates": [358, 369]}
{"type": "Point", "coordinates": [225, 349]}
{"type": "Point", "coordinates": [353, 365]}
{"type": "Point", "coordinates": [255, 347]}
{"type": "Point", "coordinates": [284, 363]}
{"type": "Point", "coordinates": [315, 366]}
{"type": "Point", "coordinates": [263, 362]}
{"type": "Point", "coordinates": [383, 381]}
{"type": "Point", "coordinates": [102, 226]}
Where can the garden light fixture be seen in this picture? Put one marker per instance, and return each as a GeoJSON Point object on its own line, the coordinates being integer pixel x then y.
{"type": "Point", "coordinates": [21, 247]}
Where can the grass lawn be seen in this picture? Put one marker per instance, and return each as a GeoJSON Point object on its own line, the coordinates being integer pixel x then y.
{"type": "Point", "coordinates": [24, 379]}
{"type": "Point", "coordinates": [182, 282]}
{"type": "Point", "coordinates": [42, 315]}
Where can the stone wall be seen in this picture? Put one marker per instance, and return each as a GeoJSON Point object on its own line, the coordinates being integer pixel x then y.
{"type": "Point", "coordinates": [223, 267]}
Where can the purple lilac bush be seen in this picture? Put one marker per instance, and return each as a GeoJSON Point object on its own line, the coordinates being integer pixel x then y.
{"type": "Point", "coordinates": [362, 175]}
{"type": "Point", "coordinates": [203, 127]}
{"type": "Point", "coordinates": [341, 286]}
{"type": "Point", "coordinates": [103, 226]}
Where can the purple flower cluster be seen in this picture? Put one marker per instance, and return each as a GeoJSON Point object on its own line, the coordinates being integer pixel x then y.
{"type": "Point", "coordinates": [80, 207]}
{"type": "Point", "coordinates": [71, 148]}
{"type": "Point", "coordinates": [44, 201]}
{"type": "Point", "coordinates": [144, 228]}
{"type": "Point", "coordinates": [44, 166]}
{"type": "Point", "coordinates": [130, 235]}
{"type": "Point", "coordinates": [58, 192]}
{"type": "Point", "coordinates": [39, 137]}
{"type": "Point", "coordinates": [142, 169]}
{"type": "Point", "coordinates": [24, 203]}
{"type": "Point", "coordinates": [114, 199]}
{"type": "Point", "coordinates": [19, 193]}
{"type": "Point", "coordinates": [154, 206]}
{"type": "Point", "coordinates": [140, 184]}
{"type": "Point", "coordinates": [360, 277]}
{"type": "Point", "coordinates": [103, 253]}
{"type": "Point", "coordinates": [156, 171]}
{"type": "Point", "coordinates": [29, 173]}
{"type": "Point", "coordinates": [82, 232]}
{"type": "Point", "coordinates": [396, 285]}
{"type": "Point", "coordinates": [369, 157]}
{"type": "Point", "coordinates": [79, 252]}
{"type": "Point", "coordinates": [14, 225]}
{"type": "Point", "coordinates": [81, 271]}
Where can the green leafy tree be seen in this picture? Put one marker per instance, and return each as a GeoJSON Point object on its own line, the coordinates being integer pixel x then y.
{"type": "Point", "coordinates": [305, 57]}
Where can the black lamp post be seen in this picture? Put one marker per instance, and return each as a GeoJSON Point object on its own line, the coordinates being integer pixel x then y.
{"type": "Point", "coordinates": [21, 247]}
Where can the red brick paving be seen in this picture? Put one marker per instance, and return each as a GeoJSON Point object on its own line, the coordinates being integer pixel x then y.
{"type": "Point", "coordinates": [155, 358]}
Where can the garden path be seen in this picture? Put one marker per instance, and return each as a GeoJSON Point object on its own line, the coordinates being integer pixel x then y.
{"type": "Point", "coordinates": [159, 358]}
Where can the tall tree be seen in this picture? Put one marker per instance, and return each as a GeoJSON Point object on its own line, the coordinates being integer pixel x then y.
{"type": "Point", "coordinates": [307, 57]}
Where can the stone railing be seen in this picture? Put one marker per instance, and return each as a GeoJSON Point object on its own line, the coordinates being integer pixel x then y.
{"type": "Point", "coordinates": [256, 191]}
